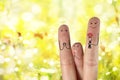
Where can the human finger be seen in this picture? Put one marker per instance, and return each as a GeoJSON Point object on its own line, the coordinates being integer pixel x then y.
{"type": "Point", "coordinates": [91, 50]}
{"type": "Point", "coordinates": [77, 51]}
{"type": "Point", "coordinates": [66, 57]}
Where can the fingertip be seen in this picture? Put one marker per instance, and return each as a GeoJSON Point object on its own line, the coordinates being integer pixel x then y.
{"type": "Point", "coordinates": [63, 33]}
{"type": "Point", "coordinates": [63, 26]}
{"type": "Point", "coordinates": [77, 49]}
{"type": "Point", "coordinates": [93, 32]}
{"type": "Point", "coordinates": [66, 57]}
{"type": "Point", "coordinates": [94, 18]}
{"type": "Point", "coordinates": [78, 43]}
{"type": "Point", "coordinates": [91, 50]}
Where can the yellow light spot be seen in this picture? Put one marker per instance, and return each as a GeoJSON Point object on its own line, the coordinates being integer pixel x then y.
{"type": "Point", "coordinates": [19, 61]}
{"type": "Point", "coordinates": [15, 57]}
{"type": "Point", "coordinates": [103, 53]}
{"type": "Point", "coordinates": [3, 47]}
{"type": "Point", "coordinates": [51, 62]}
{"type": "Point", "coordinates": [44, 78]}
{"type": "Point", "coordinates": [27, 16]}
{"type": "Point", "coordinates": [98, 9]}
{"type": "Point", "coordinates": [109, 1]}
{"type": "Point", "coordinates": [16, 69]}
{"type": "Point", "coordinates": [1, 59]}
{"type": "Point", "coordinates": [36, 9]}
{"type": "Point", "coordinates": [44, 70]}
{"type": "Point", "coordinates": [7, 59]}
{"type": "Point", "coordinates": [31, 65]}
{"type": "Point", "coordinates": [12, 22]}
{"type": "Point", "coordinates": [99, 58]}
{"type": "Point", "coordinates": [107, 73]}
{"type": "Point", "coordinates": [114, 68]}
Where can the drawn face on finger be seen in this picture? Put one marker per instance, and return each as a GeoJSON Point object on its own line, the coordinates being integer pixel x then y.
{"type": "Point", "coordinates": [64, 31]}
{"type": "Point", "coordinates": [77, 50]}
{"type": "Point", "coordinates": [94, 22]}
{"type": "Point", "coordinates": [93, 32]}
{"type": "Point", "coordinates": [76, 46]}
{"type": "Point", "coordinates": [64, 38]}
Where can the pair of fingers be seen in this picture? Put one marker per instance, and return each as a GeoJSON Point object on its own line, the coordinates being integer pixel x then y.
{"type": "Point", "coordinates": [75, 64]}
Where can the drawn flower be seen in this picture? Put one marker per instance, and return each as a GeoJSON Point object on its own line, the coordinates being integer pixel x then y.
{"type": "Point", "coordinates": [90, 35]}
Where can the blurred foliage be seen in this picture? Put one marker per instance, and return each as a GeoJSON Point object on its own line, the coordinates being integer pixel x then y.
{"type": "Point", "coordinates": [28, 36]}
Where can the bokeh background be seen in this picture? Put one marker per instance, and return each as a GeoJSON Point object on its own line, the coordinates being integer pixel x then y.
{"type": "Point", "coordinates": [28, 36]}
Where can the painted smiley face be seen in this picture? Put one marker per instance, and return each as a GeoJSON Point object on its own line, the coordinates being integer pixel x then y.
{"type": "Point", "coordinates": [94, 22]}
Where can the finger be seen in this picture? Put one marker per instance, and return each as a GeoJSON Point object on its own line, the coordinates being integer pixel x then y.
{"type": "Point", "coordinates": [66, 57]}
{"type": "Point", "coordinates": [91, 50]}
{"type": "Point", "coordinates": [77, 51]}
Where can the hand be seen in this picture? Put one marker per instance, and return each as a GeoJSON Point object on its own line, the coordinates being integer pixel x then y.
{"type": "Point", "coordinates": [75, 64]}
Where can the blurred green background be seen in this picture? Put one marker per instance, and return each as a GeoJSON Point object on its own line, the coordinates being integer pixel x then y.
{"type": "Point", "coordinates": [28, 36]}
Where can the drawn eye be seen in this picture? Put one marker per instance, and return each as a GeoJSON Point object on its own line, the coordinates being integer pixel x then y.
{"type": "Point", "coordinates": [61, 30]}
{"type": "Point", "coordinates": [91, 23]}
{"type": "Point", "coordinates": [95, 22]}
{"type": "Point", "coordinates": [66, 30]}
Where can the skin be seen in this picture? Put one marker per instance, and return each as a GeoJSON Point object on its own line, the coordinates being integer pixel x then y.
{"type": "Point", "coordinates": [67, 63]}
{"type": "Point", "coordinates": [75, 64]}
{"type": "Point", "coordinates": [91, 54]}
{"type": "Point", "coordinates": [77, 51]}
